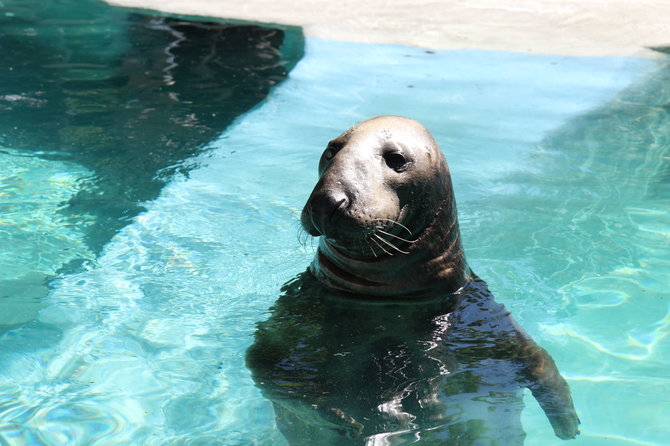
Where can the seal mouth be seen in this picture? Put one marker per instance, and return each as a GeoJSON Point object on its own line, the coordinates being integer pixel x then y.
{"type": "Point", "coordinates": [382, 239]}
{"type": "Point", "coordinates": [379, 240]}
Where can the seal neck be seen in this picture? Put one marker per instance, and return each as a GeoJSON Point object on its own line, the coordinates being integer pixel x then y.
{"type": "Point", "coordinates": [435, 264]}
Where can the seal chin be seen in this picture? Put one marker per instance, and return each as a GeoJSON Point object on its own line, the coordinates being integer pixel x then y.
{"type": "Point", "coordinates": [351, 250]}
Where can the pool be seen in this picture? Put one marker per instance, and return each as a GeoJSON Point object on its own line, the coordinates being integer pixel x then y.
{"type": "Point", "coordinates": [132, 283]}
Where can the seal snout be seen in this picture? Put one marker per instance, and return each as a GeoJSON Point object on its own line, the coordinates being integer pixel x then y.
{"type": "Point", "coordinates": [323, 210]}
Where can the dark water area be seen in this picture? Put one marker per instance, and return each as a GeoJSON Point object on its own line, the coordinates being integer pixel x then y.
{"type": "Point", "coordinates": [129, 96]}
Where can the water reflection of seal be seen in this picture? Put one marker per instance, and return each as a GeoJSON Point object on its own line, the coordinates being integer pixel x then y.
{"type": "Point", "coordinates": [389, 337]}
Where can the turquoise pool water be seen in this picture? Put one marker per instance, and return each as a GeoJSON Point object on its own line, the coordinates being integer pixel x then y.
{"type": "Point", "coordinates": [562, 175]}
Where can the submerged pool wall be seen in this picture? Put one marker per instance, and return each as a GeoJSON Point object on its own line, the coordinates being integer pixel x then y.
{"type": "Point", "coordinates": [125, 100]}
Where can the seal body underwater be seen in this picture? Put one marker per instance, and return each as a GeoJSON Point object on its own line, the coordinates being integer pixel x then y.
{"type": "Point", "coordinates": [389, 337]}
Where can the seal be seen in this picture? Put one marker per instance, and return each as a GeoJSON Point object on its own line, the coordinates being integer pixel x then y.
{"type": "Point", "coordinates": [389, 337]}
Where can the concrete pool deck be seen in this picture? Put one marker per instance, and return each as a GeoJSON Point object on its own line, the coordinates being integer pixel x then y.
{"type": "Point", "coordinates": [565, 27]}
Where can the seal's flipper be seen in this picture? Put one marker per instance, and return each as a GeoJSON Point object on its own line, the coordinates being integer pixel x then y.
{"type": "Point", "coordinates": [551, 391]}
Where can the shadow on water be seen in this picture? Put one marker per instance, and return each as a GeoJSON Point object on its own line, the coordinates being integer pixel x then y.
{"type": "Point", "coordinates": [119, 102]}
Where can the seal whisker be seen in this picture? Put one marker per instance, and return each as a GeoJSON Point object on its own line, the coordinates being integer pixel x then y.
{"type": "Point", "coordinates": [302, 237]}
{"type": "Point", "coordinates": [379, 237]}
{"type": "Point", "coordinates": [397, 223]}
{"type": "Point", "coordinates": [367, 242]}
{"type": "Point", "coordinates": [395, 236]}
{"type": "Point", "coordinates": [380, 246]}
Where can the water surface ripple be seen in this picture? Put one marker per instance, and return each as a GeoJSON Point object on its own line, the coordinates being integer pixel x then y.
{"type": "Point", "coordinates": [561, 174]}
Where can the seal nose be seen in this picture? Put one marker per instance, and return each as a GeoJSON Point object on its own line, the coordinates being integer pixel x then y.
{"type": "Point", "coordinates": [324, 209]}
{"type": "Point", "coordinates": [328, 204]}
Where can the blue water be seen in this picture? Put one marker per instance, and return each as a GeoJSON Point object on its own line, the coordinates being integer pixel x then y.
{"type": "Point", "coordinates": [561, 172]}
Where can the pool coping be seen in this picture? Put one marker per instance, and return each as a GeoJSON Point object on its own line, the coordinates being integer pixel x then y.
{"type": "Point", "coordinates": [561, 27]}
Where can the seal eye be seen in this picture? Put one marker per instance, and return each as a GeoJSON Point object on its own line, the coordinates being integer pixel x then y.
{"type": "Point", "coordinates": [395, 161]}
{"type": "Point", "coordinates": [331, 150]}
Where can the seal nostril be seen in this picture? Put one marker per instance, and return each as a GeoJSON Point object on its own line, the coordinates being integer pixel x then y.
{"type": "Point", "coordinates": [335, 199]}
{"type": "Point", "coordinates": [336, 204]}
{"type": "Point", "coordinates": [342, 204]}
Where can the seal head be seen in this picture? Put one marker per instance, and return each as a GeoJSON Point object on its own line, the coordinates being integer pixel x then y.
{"type": "Point", "coordinates": [385, 210]}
